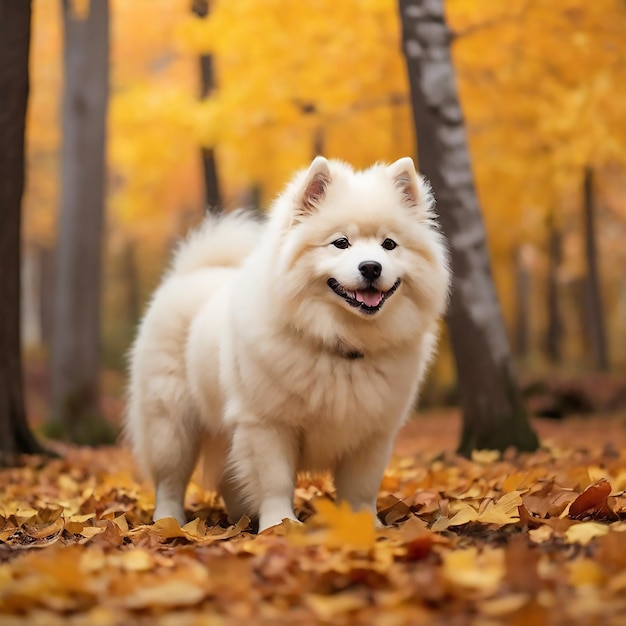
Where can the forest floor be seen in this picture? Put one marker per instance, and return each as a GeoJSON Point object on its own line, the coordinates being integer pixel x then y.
{"type": "Point", "coordinates": [515, 539]}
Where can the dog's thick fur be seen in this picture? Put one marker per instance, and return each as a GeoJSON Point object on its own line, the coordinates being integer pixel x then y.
{"type": "Point", "coordinates": [294, 345]}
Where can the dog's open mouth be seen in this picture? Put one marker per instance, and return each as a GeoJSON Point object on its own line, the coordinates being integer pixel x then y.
{"type": "Point", "coordinates": [367, 300]}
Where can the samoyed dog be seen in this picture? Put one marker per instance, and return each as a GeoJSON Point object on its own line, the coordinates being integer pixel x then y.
{"type": "Point", "coordinates": [294, 345]}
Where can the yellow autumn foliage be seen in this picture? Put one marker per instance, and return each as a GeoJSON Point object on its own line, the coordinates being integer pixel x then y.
{"type": "Point", "coordinates": [541, 86]}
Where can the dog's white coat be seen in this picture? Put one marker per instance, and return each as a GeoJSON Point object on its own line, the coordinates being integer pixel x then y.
{"type": "Point", "coordinates": [244, 349]}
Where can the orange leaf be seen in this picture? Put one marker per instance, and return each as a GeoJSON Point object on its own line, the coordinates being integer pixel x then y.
{"type": "Point", "coordinates": [593, 502]}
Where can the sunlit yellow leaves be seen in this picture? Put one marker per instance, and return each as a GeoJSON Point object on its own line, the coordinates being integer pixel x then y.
{"type": "Point", "coordinates": [288, 89]}
{"type": "Point", "coordinates": [583, 533]}
{"type": "Point", "coordinates": [504, 511]}
{"type": "Point", "coordinates": [472, 570]}
{"type": "Point", "coordinates": [338, 526]}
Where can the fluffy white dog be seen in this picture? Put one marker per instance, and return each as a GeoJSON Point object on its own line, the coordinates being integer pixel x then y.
{"type": "Point", "coordinates": [294, 345]}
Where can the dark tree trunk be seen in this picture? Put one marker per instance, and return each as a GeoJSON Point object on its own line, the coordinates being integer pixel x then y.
{"type": "Point", "coordinates": [595, 309]}
{"type": "Point", "coordinates": [212, 196]}
{"type": "Point", "coordinates": [554, 327]}
{"type": "Point", "coordinates": [15, 436]}
{"type": "Point", "coordinates": [494, 415]}
{"type": "Point", "coordinates": [522, 304]}
{"type": "Point", "coordinates": [75, 350]}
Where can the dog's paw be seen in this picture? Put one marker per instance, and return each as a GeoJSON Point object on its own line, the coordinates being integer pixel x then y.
{"type": "Point", "coordinates": [268, 521]}
{"type": "Point", "coordinates": [174, 511]}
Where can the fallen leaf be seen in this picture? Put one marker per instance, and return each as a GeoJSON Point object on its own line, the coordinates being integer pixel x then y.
{"type": "Point", "coordinates": [585, 572]}
{"type": "Point", "coordinates": [585, 532]}
{"type": "Point", "coordinates": [593, 502]}
{"type": "Point", "coordinates": [343, 527]}
{"type": "Point", "coordinates": [470, 569]}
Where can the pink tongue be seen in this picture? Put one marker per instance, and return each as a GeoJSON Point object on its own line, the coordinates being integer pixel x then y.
{"type": "Point", "coordinates": [370, 298]}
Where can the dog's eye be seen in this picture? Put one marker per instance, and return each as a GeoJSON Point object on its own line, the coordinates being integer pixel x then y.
{"type": "Point", "coordinates": [389, 244]}
{"type": "Point", "coordinates": [342, 243]}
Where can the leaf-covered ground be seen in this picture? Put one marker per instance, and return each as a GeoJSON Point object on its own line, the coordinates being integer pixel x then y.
{"type": "Point", "coordinates": [531, 539]}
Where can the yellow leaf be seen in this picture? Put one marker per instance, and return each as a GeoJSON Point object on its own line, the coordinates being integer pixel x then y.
{"type": "Point", "coordinates": [485, 457]}
{"type": "Point", "coordinates": [92, 560]}
{"type": "Point", "coordinates": [121, 522]}
{"type": "Point", "coordinates": [170, 592]}
{"type": "Point", "coordinates": [91, 531]}
{"type": "Point", "coordinates": [541, 534]}
{"type": "Point", "coordinates": [196, 528]}
{"type": "Point", "coordinates": [465, 514]}
{"type": "Point", "coordinates": [168, 528]}
{"type": "Point", "coordinates": [586, 531]}
{"type": "Point", "coordinates": [344, 527]}
{"type": "Point", "coordinates": [504, 511]}
{"type": "Point", "coordinates": [137, 560]}
{"type": "Point", "coordinates": [583, 572]}
{"type": "Point", "coordinates": [471, 570]}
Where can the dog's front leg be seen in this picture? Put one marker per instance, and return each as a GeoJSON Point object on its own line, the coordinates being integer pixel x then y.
{"type": "Point", "coordinates": [359, 474]}
{"type": "Point", "coordinates": [264, 460]}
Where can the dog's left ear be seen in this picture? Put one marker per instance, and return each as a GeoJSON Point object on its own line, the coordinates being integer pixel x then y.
{"type": "Point", "coordinates": [416, 191]}
{"type": "Point", "coordinates": [315, 186]}
{"type": "Point", "coordinates": [404, 177]}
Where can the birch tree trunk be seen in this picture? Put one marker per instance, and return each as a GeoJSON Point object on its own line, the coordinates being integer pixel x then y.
{"type": "Point", "coordinates": [15, 436]}
{"type": "Point", "coordinates": [493, 411]}
{"type": "Point", "coordinates": [75, 349]}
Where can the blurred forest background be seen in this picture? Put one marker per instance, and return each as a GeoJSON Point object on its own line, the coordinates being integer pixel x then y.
{"type": "Point", "coordinates": [220, 106]}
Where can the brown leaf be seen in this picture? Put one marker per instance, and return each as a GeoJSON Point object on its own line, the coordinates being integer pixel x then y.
{"type": "Point", "coordinates": [593, 503]}
{"type": "Point", "coordinates": [393, 510]}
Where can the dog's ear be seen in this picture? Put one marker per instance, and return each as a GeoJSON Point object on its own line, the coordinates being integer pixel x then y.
{"type": "Point", "coordinates": [416, 191]}
{"type": "Point", "coordinates": [316, 183]}
{"type": "Point", "coordinates": [404, 177]}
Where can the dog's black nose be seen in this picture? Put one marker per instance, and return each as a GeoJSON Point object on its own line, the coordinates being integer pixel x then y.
{"type": "Point", "coordinates": [370, 269]}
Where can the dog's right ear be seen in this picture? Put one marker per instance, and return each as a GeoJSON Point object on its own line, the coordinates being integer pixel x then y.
{"type": "Point", "coordinates": [315, 186]}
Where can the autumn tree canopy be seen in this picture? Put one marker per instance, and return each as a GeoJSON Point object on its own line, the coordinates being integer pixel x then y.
{"type": "Point", "coordinates": [539, 85]}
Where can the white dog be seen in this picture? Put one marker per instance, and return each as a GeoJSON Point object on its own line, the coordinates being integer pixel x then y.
{"type": "Point", "coordinates": [295, 345]}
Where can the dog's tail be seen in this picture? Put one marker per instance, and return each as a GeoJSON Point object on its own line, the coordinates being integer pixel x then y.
{"type": "Point", "coordinates": [220, 241]}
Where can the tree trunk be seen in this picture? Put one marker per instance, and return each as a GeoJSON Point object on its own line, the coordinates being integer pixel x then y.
{"type": "Point", "coordinates": [494, 415]}
{"type": "Point", "coordinates": [213, 198]}
{"type": "Point", "coordinates": [47, 286]}
{"type": "Point", "coordinates": [15, 436]}
{"type": "Point", "coordinates": [522, 303]}
{"type": "Point", "coordinates": [554, 327]}
{"type": "Point", "coordinates": [595, 309]}
{"type": "Point", "coordinates": [75, 351]}
{"type": "Point", "coordinates": [31, 293]}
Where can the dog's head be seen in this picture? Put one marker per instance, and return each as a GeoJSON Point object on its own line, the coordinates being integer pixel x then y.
{"type": "Point", "coordinates": [363, 244]}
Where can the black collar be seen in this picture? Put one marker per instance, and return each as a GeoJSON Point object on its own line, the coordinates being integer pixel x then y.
{"type": "Point", "coordinates": [353, 355]}
{"type": "Point", "coordinates": [348, 352]}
